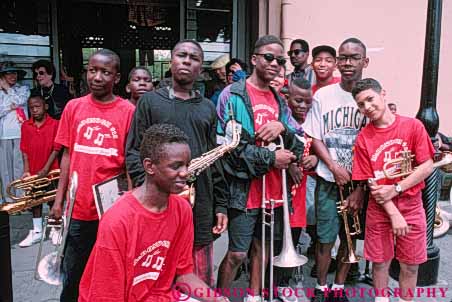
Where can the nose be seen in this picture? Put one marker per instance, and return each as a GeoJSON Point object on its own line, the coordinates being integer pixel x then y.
{"type": "Point", "coordinates": [184, 172]}
{"type": "Point", "coordinates": [98, 76]}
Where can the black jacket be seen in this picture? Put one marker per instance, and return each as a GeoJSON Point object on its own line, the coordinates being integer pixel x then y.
{"type": "Point", "coordinates": [197, 118]}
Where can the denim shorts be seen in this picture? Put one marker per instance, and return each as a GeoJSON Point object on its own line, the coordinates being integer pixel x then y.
{"type": "Point", "coordinates": [243, 226]}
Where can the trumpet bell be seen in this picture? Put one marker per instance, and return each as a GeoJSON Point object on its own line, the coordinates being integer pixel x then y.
{"type": "Point", "coordinates": [352, 258]}
{"type": "Point", "coordinates": [49, 269]}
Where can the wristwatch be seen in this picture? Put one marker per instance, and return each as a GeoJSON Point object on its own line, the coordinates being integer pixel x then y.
{"type": "Point", "coordinates": [398, 188]}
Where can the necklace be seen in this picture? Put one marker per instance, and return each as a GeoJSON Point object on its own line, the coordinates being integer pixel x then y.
{"type": "Point", "coordinates": [48, 94]}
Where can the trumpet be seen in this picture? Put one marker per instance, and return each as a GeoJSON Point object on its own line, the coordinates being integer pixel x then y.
{"type": "Point", "coordinates": [403, 165]}
{"type": "Point", "coordinates": [36, 191]}
{"type": "Point", "coordinates": [352, 257]}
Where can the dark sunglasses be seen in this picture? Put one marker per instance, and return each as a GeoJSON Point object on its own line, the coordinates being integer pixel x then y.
{"type": "Point", "coordinates": [269, 57]}
{"type": "Point", "coordinates": [295, 52]}
{"type": "Point", "coordinates": [40, 73]}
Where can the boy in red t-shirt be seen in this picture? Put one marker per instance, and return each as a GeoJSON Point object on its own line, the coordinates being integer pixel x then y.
{"type": "Point", "coordinates": [395, 215]}
{"type": "Point", "coordinates": [93, 130]}
{"type": "Point", "coordinates": [145, 241]}
{"type": "Point", "coordinates": [39, 152]}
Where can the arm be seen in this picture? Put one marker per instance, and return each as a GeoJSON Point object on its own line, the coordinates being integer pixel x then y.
{"type": "Point", "coordinates": [140, 122]}
{"type": "Point", "coordinates": [26, 165]}
{"type": "Point", "coordinates": [220, 192]}
{"type": "Point", "coordinates": [57, 207]}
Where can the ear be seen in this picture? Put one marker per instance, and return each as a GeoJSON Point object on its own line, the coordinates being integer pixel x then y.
{"type": "Point", "coordinates": [366, 62]}
{"type": "Point", "coordinates": [383, 94]}
{"type": "Point", "coordinates": [117, 78]}
{"type": "Point", "coordinates": [253, 60]}
{"type": "Point", "coordinates": [128, 88]}
{"type": "Point", "coordinates": [46, 106]}
{"type": "Point", "coordinates": [148, 166]}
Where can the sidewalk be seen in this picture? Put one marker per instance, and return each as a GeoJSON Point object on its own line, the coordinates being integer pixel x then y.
{"type": "Point", "coordinates": [27, 289]}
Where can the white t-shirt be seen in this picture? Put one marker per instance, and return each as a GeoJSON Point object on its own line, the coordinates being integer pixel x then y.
{"type": "Point", "coordinates": [335, 119]}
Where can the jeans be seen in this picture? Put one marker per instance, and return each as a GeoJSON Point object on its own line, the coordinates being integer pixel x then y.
{"type": "Point", "coordinates": [79, 243]}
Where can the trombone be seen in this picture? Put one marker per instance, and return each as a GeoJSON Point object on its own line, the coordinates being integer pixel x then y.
{"type": "Point", "coordinates": [48, 269]}
{"type": "Point", "coordinates": [288, 256]}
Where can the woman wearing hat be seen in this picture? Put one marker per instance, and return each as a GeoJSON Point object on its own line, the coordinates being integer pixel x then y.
{"type": "Point", "coordinates": [13, 100]}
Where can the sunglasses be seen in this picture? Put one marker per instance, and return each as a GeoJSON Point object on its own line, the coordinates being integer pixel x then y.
{"type": "Point", "coordinates": [269, 57]}
{"type": "Point", "coordinates": [40, 73]}
{"type": "Point", "coordinates": [295, 52]}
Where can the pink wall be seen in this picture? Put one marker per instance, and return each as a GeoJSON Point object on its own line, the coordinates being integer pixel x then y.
{"type": "Point", "coordinates": [394, 33]}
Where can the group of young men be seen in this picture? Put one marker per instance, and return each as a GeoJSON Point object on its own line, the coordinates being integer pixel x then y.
{"type": "Point", "coordinates": [151, 238]}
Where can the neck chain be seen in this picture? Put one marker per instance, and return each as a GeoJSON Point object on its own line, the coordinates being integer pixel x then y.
{"type": "Point", "coordinates": [49, 94]}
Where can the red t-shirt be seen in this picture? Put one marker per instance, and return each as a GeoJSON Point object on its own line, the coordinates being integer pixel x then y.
{"type": "Point", "coordinates": [375, 146]}
{"type": "Point", "coordinates": [39, 142]}
{"type": "Point", "coordinates": [265, 109]}
{"type": "Point", "coordinates": [95, 134]}
{"type": "Point", "coordinates": [333, 80]}
{"type": "Point", "coordinates": [138, 253]}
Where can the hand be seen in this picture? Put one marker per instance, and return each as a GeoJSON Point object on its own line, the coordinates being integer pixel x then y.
{"type": "Point", "coordinates": [309, 162]}
{"type": "Point", "coordinates": [399, 225]}
{"type": "Point", "coordinates": [295, 173]}
{"type": "Point", "coordinates": [43, 173]}
{"type": "Point", "coordinates": [382, 193]}
{"type": "Point", "coordinates": [57, 210]}
{"type": "Point", "coordinates": [26, 174]}
{"type": "Point", "coordinates": [283, 158]}
{"type": "Point", "coordinates": [222, 224]}
{"type": "Point", "coordinates": [13, 106]}
{"type": "Point", "coordinates": [270, 131]}
{"type": "Point", "coordinates": [355, 200]}
{"type": "Point", "coordinates": [235, 67]}
{"type": "Point", "coordinates": [341, 175]}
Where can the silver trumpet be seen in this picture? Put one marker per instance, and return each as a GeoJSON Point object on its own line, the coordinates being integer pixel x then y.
{"type": "Point", "coordinates": [288, 256]}
{"type": "Point", "coordinates": [48, 269]}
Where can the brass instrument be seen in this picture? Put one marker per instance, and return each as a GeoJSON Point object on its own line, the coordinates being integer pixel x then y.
{"type": "Point", "coordinates": [201, 163]}
{"type": "Point", "coordinates": [442, 223]}
{"type": "Point", "coordinates": [48, 269]}
{"type": "Point", "coordinates": [352, 257]}
{"type": "Point", "coordinates": [36, 191]}
{"type": "Point", "coordinates": [288, 256]}
{"type": "Point", "coordinates": [403, 165]}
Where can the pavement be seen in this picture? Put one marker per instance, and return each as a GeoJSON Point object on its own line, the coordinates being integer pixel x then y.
{"type": "Point", "coordinates": [26, 288]}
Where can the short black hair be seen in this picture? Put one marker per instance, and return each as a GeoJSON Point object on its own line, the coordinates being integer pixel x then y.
{"type": "Point", "coordinates": [304, 44]}
{"type": "Point", "coordinates": [301, 83]}
{"type": "Point", "coordinates": [366, 84]}
{"type": "Point", "coordinates": [266, 40]}
{"type": "Point", "coordinates": [138, 68]}
{"type": "Point", "coordinates": [156, 137]}
{"type": "Point", "coordinates": [355, 41]}
{"type": "Point", "coordinates": [232, 62]}
{"type": "Point", "coordinates": [189, 41]}
{"type": "Point", "coordinates": [36, 95]}
{"type": "Point", "coordinates": [48, 66]}
{"type": "Point", "coordinates": [109, 53]}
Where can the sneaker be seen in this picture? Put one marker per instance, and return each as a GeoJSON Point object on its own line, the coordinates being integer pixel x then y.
{"type": "Point", "coordinates": [252, 299]}
{"type": "Point", "coordinates": [31, 239]}
{"type": "Point", "coordinates": [55, 236]}
{"type": "Point", "coordinates": [286, 294]}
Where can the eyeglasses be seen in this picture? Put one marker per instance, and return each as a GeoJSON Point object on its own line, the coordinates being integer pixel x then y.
{"type": "Point", "coordinates": [295, 52]}
{"type": "Point", "coordinates": [353, 58]}
{"type": "Point", "coordinates": [269, 57]}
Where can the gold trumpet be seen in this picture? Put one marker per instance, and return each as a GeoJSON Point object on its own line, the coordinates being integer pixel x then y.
{"type": "Point", "coordinates": [36, 191]}
{"type": "Point", "coordinates": [352, 257]}
{"type": "Point", "coordinates": [403, 165]}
